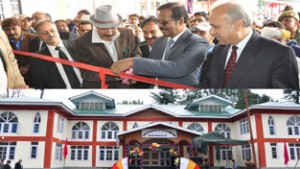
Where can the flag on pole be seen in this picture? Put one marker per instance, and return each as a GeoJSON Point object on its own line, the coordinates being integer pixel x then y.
{"type": "Point", "coordinates": [121, 164]}
{"type": "Point", "coordinates": [286, 154]}
{"type": "Point", "coordinates": [66, 149]}
{"type": "Point", "coordinates": [187, 164]}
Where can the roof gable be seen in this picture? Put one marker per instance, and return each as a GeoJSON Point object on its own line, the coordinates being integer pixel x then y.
{"type": "Point", "coordinates": [92, 96]}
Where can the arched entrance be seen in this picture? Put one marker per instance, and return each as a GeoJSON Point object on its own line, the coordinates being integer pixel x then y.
{"type": "Point", "coordinates": [159, 157]}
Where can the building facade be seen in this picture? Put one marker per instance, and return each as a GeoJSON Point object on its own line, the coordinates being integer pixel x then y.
{"type": "Point", "coordinates": [98, 132]}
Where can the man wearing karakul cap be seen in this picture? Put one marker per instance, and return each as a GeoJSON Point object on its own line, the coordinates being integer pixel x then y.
{"type": "Point", "coordinates": [105, 45]}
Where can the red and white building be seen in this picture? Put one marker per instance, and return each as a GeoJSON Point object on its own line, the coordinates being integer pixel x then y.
{"type": "Point", "coordinates": [99, 132]}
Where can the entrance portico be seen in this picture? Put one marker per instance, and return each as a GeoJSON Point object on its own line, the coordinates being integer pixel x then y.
{"type": "Point", "coordinates": [166, 136]}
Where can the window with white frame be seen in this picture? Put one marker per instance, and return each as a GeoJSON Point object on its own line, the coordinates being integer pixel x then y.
{"type": "Point", "coordinates": [109, 130]}
{"type": "Point", "coordinates": [7, 150]}
{"type": "Point", "coordinates": [60, 124]}
{"type": "Point", "coordinates": [294, 151]}
{"type": "Point", "coordinates": [58, 152]}
{"type": "Point", "coordinates": [196, 127]}
{"type": "Point", "coordinates": [34, 148]}
{"type": "Point", "coordinates": [293, 125]}
{"type": "Point", "coordinates": [92, 105]}
{"type": "Point", "coordinates": [274, 150]}
{"type": "Point", "coordinates": [223, 129]}
{"type": "Point", "coordinates": [244, 126]}
{"type": "Point", "coordinates": [210, 108]}
{"type": "Point", "coordinates": [80, 153]}
{"type": "Point", "coordinates": [271, 124]}
{"type": "Point", "coordinates": [36, 123]}
{"type": "Point", "coordinates": [246, 152]}
{"type": "Point", "coordinates": [109, 153]}
{"type": "Point", "coordinates": [8, 123]}
{"type": "Point", "coordinates": [226, 153]}
{"type": "Point", "coordinates": [81, 130]}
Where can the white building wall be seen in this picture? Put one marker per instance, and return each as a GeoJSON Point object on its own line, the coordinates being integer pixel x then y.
{"type": "Point", "coordinates": [281, 130]}
{"type": "Point", "coordinates": [70, 126]}
{"type": "Point", "coordinates": [23, 151]}
{"type": "Point", "coordinates": [57, 134]}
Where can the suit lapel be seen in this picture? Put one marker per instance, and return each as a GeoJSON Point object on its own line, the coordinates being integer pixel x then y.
{"type": "Point", "coordinates": [244, 63]}
{"type": "Point", "coordinates": [179, 41]}
{"type": "Point", "coordinates": [218, 70]}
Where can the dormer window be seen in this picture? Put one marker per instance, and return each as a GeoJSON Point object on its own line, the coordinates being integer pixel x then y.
{"type": "Point", "coordinates": [210, 108]}
{"type": "Point", "coordinates": [91, 105]}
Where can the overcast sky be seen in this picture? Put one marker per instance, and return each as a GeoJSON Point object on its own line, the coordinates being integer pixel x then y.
{"type": "Point", "coordinates": [120, 95]}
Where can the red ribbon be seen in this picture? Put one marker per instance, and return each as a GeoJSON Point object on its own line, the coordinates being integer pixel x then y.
{"type": "Point", "coordinates": [103, 71]}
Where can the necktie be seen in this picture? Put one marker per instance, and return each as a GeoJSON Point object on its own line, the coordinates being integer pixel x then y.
{"type": "Point", "coordinates": [230, 66]}
{"type": "Point", "coordinates": [73, 79]}
{"type": "Point", "coordinates": [168, 47]}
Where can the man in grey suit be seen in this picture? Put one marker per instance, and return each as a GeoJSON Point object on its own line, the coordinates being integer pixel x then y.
{"type": "Point", "coordinates": [244, 59]}
{"type": "Point", "coordinates": [178, 62]}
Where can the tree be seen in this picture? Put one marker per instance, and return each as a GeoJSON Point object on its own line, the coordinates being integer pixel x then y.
{"type": "Point", "coordinates": [135, 102]}
{"type": "Point", "coordinates": [166, 96]}
{"type": "Point", "coordinates": [253, 98]}
{"type": "Point", "coordinates": [292, 95]}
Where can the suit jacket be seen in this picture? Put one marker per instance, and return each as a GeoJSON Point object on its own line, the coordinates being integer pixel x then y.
{"type": "Point", "coordinates": [45, 74]}
{"type": "Point", "coordinates": [145, 49]}
{"type": "Point", "coordinates": [263, 63]}
{"type": "Point", "coordinates": [182, 65]}
{"type": "Point", "coordinates": [14, 78]}
{"type": "Point", "coordinates": [96, 54]}
{"type": "Point", "coordinates": [18, 165]}
{"type": "Point", "coordinates": [23, 61]}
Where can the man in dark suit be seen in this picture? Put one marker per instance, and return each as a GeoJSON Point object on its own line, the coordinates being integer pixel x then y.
{"type": "Point", "coordinates": [19, 165]}
{"type": "Point", "coordinates": [151, 33]}
{"type": "Point", "coordinates": [104, 45]}
{"type": "Point", "coordinates": [54, 75]}
{"type": "Point", "coordinates": [178, 62]}
{"type": "Point", "coordinates": [35, 44]}
{"type": "Point", "coordinates": [244, 59]}
{"type": "Point", "coordinates": [19, 41]}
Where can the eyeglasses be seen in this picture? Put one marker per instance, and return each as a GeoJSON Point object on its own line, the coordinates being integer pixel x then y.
{"type": "Point", "coordinates": [164, 22]}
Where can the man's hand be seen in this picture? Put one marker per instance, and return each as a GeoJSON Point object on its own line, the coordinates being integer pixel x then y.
{"type": "Point", "coordinates": [122, 65]}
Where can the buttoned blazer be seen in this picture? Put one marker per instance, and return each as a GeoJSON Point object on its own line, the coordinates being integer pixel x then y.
{"type": "Point", "coordinates": [127, 45]}
{"type": "Point", "coordinates": [181, 65]}
{"type": "Point", "coordinates": [45, 74]}
{"type": "Point", "coordinates": [264, 63]}
{"type": "Point", "coordinates": [14, 78]}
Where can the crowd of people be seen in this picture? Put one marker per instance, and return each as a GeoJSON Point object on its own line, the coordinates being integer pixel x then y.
{"type": "Point", "coordinates": [7, 165]}
{"type": "Point", "coordinates": [222, 49]}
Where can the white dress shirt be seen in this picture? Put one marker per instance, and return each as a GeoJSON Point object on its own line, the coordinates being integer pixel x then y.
{"type": "Point", "coordinates": [241, 45]}
{"type": "Point", "coordinates": [59, 66]}
{"type": "Point", "coordinates": [110, 45]}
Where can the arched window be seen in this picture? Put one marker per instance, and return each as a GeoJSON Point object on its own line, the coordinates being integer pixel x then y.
{"type": "Point", "coordinates": [293, 125]}
{"type": "Point", "coordinates": [81, 130]}
{"type": "Point", "coordinates": [223, 129]}
{"type": "Point", "coordinates": [36, 123]}
{"type": "Point", "coordinates": [271, 124]}
{"type": "Point", "coordinates": [196, 127]}
{"type": "Point", "coordinates": [109, 130]}
{"type": "Point", "coordinates": [8, 123]}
